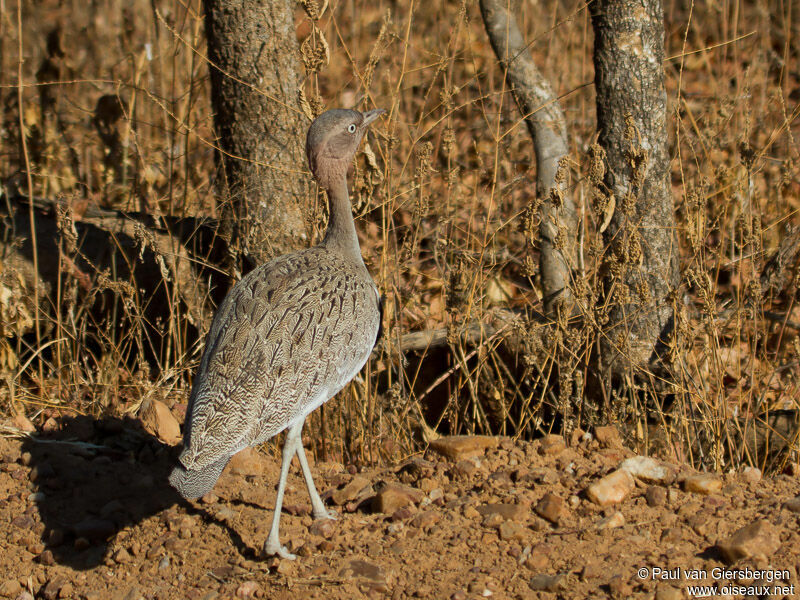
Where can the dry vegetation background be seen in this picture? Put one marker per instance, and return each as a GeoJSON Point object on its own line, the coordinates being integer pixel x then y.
{"type": "Point", "coordinates": [112, 97]}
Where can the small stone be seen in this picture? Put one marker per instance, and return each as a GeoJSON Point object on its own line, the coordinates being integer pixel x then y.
{"type": "Point", "coordinates": [546, 583]}
{"type": "Point", "coordinates": [22, 422]}
{"type": "Point", "coordinates": [552, 508]}
{"type": "Point", "coordinates": [470, 512]}
{"type": "Point", "coordinates": [608, 436]}
{"type": "Point", "coordinates": [323, 528]}
{"type": "Point", "coordinates": [667, 592]}
{"type": "Point", "coordinates": [513, 512]}
{"type": "Point", "coordinates": [702, 484]}
{"type": "Point", "coordinates": [210, 498]}
{"type": "Point", "coordinates": [611, 489]}
{"type": "Point", "coordinates": [552, 445]}
{"type": "Point", "coordinates": [248, 463]}
{"type": "Point", "coordinates": [158, 420]}
{"type": "Point", "coordinates": [67, 590]}
{"type": "Point", "coordinates": [402, 514]}
{"type": "Point", "coordinates": [53, 587]}
{"type": "Point", "coordinates": [426, 520]}
{"type": "Point", "coordinates": [510, 530]}
{"type": "Point", "coordinates": [10, 588]}
{"type": "Point", "coordinates": [757, 540]}
{"type": "Point", "coordinates": [350, 491]}
{"type": "Point", "coordinates": [364, 569]}
{"type": "Point", "coordinates": [393, 496]}
{"type": "Point", "coordinates": [792, 505]}
{"type": "Point", "coordinates": [163, 563]}
{"type": "Point", "coordinates": [619, 587]}
{"type": "Point", "coordinates": [611, 522]}
{"type": "Point", "coordinates": [459, 595]}
{"type": "Point", "coordinates": [249, 589]}
{"type": "Point", "coordinates": [460, 447]}
{"type": "Point", "coordinates": [655, 496]}
{"type": "Point", "coordinates": [751, 474]}
{"type": "Point", "coordinates": [122, 556]}
{"type": "Point", "coordinates": [647, 469]}
{"type": "Point", "coordinates": [46, 558]}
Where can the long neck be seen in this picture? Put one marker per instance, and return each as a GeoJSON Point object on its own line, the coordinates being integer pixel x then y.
{"type": "Point", "coordinates": [341, 234]}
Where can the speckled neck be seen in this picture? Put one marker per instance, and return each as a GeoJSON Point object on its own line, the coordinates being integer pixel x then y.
{"type": "Point", "coordinates": [341, 234]}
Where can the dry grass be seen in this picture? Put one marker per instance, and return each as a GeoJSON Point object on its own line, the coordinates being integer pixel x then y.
{"type": "Point", "coordinates": [443, 208]}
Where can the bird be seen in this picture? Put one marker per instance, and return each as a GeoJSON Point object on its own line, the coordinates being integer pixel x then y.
{"type": "Point", "coordinates": [286, 338]}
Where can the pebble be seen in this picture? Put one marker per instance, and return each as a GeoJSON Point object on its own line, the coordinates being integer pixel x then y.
{"type": "Point", "coordinates": [751, 474]}
{"type": "Point", "coordinates": [546, 583]}
{"type": "Point", "coordinates": [350, 491]}
{"type": "Point", "coordinates": [611, 489]}
{"type": "Point", "coordinates": [10, 588]}
{"type": "Point", "coordinates": [362, 568]}
{"type": "Point", "coordinates": [702, 484]}
{"type": "Point", "coordinates": [655, 496]}
{"type": "Point", "coordinates": [249, 589]}
{"type": "Point", "coordinates": [647, 469]}
{"type": "Point", "coordinates": [163, 563]}
{"type": "Point", "coordinates": [510, 530]}
{"type": "Point", "coordinates": [122, 556]}
{"type": "Point", "coordinates": [393, 496]}
{"type": "Point", "coordinates": [760, 539]}
{"type": "Point", "coordinates": [426, 520]}
{"type": "Point", "coordinates": [792, 505]}
{"type": "Point", "coordinates": [157, 419]}
{"type": "Point", "coordinates": [248, 463]}
{"type": "Point", "coordinates": [667, 592]}
{"type": "Point", "coordinates": [323, 528]}
{"type": "Point", "coordinates": [552, 445]}
{"type": "Point", "coordinates": [608, 436]}
{"type": "Point", "coordinates": [514, 512]}
{"type": "Point", "coordinates": [552, 508]}
{"type": "Point", "coordinates": [461, 447]}
{"type": "Point", "coordinates": [611, 522]}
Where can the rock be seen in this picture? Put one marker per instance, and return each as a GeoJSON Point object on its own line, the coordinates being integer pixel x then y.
{"type": "Point", "coordinates": [792, 505]}
{"type": "Point", "coordinates": [552, 508]}
{"type": "Point", "coordinates": [323, 528]}
{"type": "Point", "coordinates": [94, 529]}
{"type": "Point", "coordinates": [611, 489]}
{"type": "Point", "coordinates": [22, 422]}
{"type": "Point", "coordinates": [461, 447]}
{"type": "Point", "coordinates": [751, 474]}
{"type": "Point", "coordinates": [10, 588]}
{"type": "Point", "coordinates": [350, 491]}
{"type": "Point", "coordinates": [546, 583]}
{"type": "Point", "coordinates": [510, 530]}
{"type": "Point", "coordinates": [248, 463]}
{"type": "Point", "coordinates": [249, 589]}
{"type": "Point", "coordinates": [608, 436]}
{"type": "Point", "coordinates": [647, 469]}
{"type": "Point", "coordinates": [611, 522]}
{"type": "Point", "coordinates": [121, 556]}
{"type": "Point", "coordinates": [620, 587]}
{"type": "Point", "coordinates": [757, 540]}
{"type": "Point", "coordinates": [513, 512]}
{"type": "Point", "coordinates": [158, 420]}
{"type": "Point", "coordinates": [393, 496]}
{"type": "Point", "coordinates": [667, 592]}
{"type": "Point", "coordinates": [655, 496]}
{"type": "Point", "coordinates": [552, 445]}
{"type": "Point", "coordinates": [702, 484]}
{"type": "Point", "coordinates": [53, 587]}
{"type": "Point", "coordinates": [426, 520]}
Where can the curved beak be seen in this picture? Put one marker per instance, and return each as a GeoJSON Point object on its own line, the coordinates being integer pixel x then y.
{"type": "Point", "coordinates": [371, 115]}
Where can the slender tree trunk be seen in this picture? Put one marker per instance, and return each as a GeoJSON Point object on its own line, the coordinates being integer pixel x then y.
{"type": "Point", "coordinates": [539, 106]}
{"type": "Point", "coordinates": [641, 257]}
{"type": "Point", "coordinates": [252, 46]}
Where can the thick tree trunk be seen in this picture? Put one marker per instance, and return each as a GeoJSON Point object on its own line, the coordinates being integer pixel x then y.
{"type": "Point", "coordinates": [539, 106]}
{"type": "Point", "coordinates": [641, 258]}
{"type": "Point", "coordinates": [252, 46]}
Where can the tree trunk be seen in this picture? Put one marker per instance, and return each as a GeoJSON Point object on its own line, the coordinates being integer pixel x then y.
{"type": "Point", "coordinates": [539, 106]}
{"type": "Point", "coordinates": [252, 46]}
{"type": "Point", "coordinates": [641, 256]}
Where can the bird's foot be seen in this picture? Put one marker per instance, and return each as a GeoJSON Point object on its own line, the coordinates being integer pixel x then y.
{"type": "Point", "coordinates": [324, 513]}
{"type": "Point", "coordinates": [273, 547]}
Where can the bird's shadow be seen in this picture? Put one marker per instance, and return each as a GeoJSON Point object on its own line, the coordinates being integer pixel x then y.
{"type": "Point", "coordinates": [93, 477]}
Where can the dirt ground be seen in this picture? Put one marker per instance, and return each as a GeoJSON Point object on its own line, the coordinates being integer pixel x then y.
{"type": "Point", "coordinates": [86, 513]}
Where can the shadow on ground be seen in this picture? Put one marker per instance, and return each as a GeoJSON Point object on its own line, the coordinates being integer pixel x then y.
{"type": "Point", "coordinates": [92, 478]}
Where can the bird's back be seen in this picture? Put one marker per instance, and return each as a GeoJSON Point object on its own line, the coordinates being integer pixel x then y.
{"type": "Point", "coordinates": [286, 338]}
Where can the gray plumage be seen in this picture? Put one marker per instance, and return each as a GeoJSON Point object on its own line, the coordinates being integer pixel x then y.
{"type": "Point", "coordinates": [287, 337]}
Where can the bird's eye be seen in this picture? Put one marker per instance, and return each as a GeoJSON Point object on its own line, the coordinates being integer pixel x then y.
{"type": "Point", "coordinates": [351, 128]}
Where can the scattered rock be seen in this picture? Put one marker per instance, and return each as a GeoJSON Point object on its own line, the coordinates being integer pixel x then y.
{"type": "Point", "coordinates": [323, 528]}
{"type": "Point", "coordinates": [248, 463]}
{"type": "Point", "coordinates": [53, 587]}
{"type": "Point", "coordinates": [655, 496]}
{"type": "Point", "coordinates": [513, 512]}
{"type": "Point", "coordinates": [704, 483]}
{"type": "Point", "coordinates": [393, 496]}
{"type": "Point", "coordinates": [249, 589]}
{"type": "Point", "coordinates": [362, 568]}
{"type": "Point", "coordinates": [510, 530]}
{"type": "Point", "coordinates": [611, 489]}
{"type": "Point", "coordinates": [608, 436]}
{"type": "Point", "coordinates": [751, 474]}
{"type": "Point", "coordinates": [546, 583]}
{"type": "Point", "coordinates": [426, 520]}
{"type": "Point", "coordinates": [122, 556]}
{"type": "Point", "coordinates": [759, 539]}
{"type": "Point", "coordinates": [552, 445]}
{"type": "Point", "coordinates": [667, 592]}
{"type": "Point", "coordinates": [647, 469]}
{"type": "Point", "coordinates": [158, 420]}
{"type": "Point", "coordinates": [461, 447]}
{"type": "Point", "coordinates": [611, 522]}
{"type": "Point", "coordinates": [552, 508]}
{"type": "Point", "coordinates": [10, 588]}
{"type": "Point", "coordinates": [22, 422]}
{"type": "Point", "coordinates": [350, 491]}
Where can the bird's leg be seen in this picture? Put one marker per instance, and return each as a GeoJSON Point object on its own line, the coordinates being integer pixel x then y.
{"type": "Point", "coordinates": [273, 545]}
{"type": "Point", "coordinates": [317, 506]}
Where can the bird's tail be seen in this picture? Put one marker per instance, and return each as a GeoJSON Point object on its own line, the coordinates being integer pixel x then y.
{"type": "Point", "coordinates": [193, 483]}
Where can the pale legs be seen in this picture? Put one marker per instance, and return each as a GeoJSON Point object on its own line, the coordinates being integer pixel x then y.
{"type": "Point", "coordinates": [293, 445]}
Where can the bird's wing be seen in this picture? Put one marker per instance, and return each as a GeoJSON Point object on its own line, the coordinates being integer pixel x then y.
{"type": "Point", "coordinates": [289, 334]}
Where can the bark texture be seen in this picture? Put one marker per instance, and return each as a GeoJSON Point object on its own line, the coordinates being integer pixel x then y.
{"type": "Point", "coordinates": [545, 120]}
{"type": "Point", "coordinates": [252, 46]}
{"type": "Point", "coordinates": [641, 259]}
